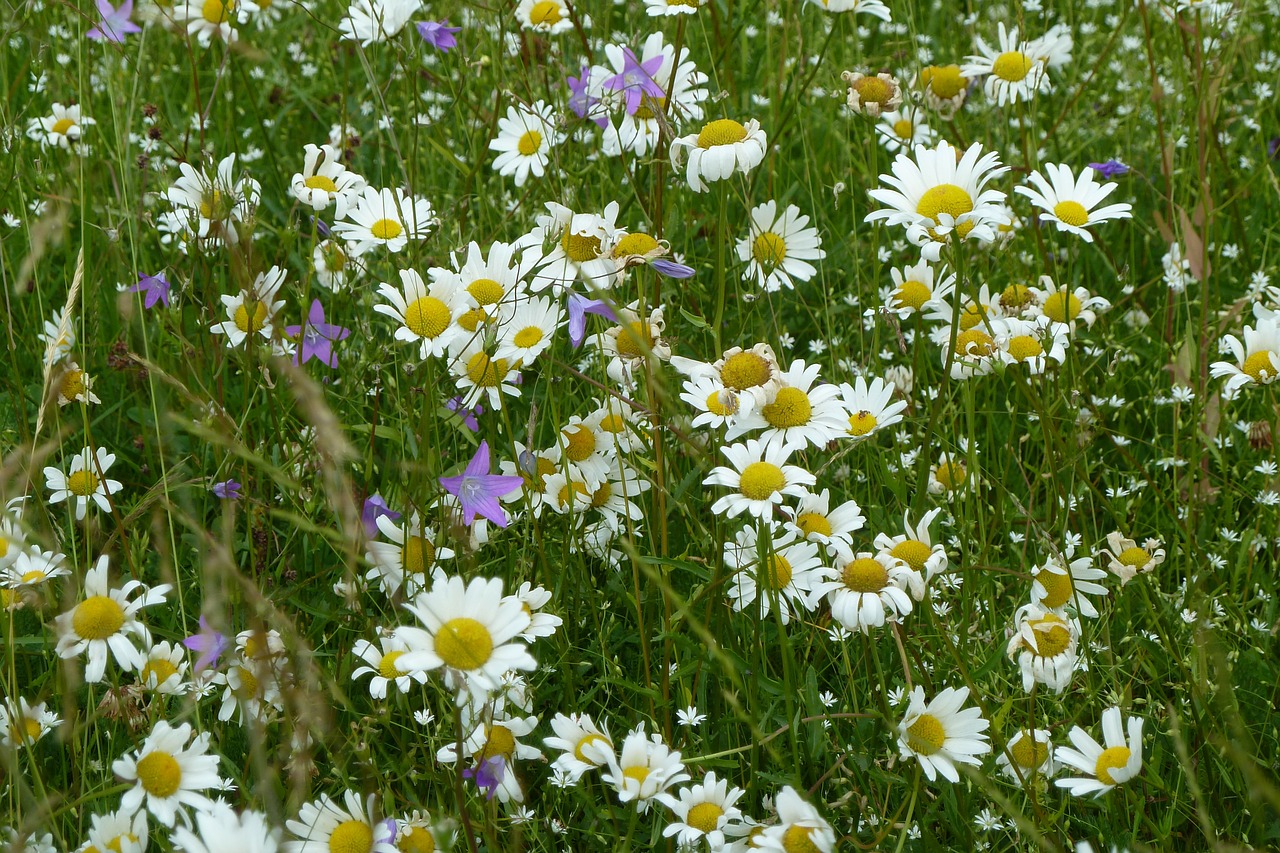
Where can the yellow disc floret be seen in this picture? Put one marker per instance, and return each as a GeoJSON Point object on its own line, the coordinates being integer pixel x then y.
{"type": "Point", "coordinates": [464, 643]}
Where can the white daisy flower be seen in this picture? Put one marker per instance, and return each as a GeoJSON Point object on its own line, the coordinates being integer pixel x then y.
{"type": "Point", "coordinates": [324, 180]}
{"type": "Point", "coordinates": [872, 589]}
{"type": "Point", "coordinates": [915, 547]}
{"type": "Point", "coordinates": [209, 207]}
{"type": "Point", "coordinates": [1045, 646]}
{"type": "Point", "coordinates": [334, 267]}
{"type": "Point", "coordinates": [944, 87]}
{"type": "Point", "coordinates": [427, 315]}
{"type": "Point", "coordinates": [942, 733]}
{"type": "Point", "coordinates": [582, 247]}
{"type": "Point", "coordinates": [86, 480]}
{"type": "Point", "coordinates": [752, 375]}
{"type": "Point", "coordinates": [640, 130]}
{"type": "Point", "coordinates": [703, 810]}
{"type": "Point", "coordinates": [101, 623]}
{"type": "Point", "coordinates": [1127, 559]}
{"type": "Point", "coordinates": [252, 312]}
{"type": "Point", "coordinates": [1257, 358]}
{"type": "Point", "coordinates": [208, 19]}
{"type": "Point", "coordinates": [1012, 70]}
{"type": "Point", "coordinates": [903, 129]}
{"type": "Point", "coordinates": [1029, 753]}
{"type": "Point", "coordinates": [372, 21]}
{"type": "Point", "coordinates": [584, 745]}
{"type": "Point", "coordinates": [525, 138]}
{"type": "Point", "coordinates": [813, 519]}
{"type": "Point", "coordinates": [550, 17]}
{"type": "Point", "coordinates": [527, 329]}
{"type": "Point", "coordinates": [870, 406]}
{"type": "Point", "coordinates": [779, 247]}
{"type": "Point", "coordinates": [494, 283]}
{"type": "Point", "coordinates": [324, 826]}
{"type": "Point", "coordinates": [716, 405]}
{"type": "Point", "coordinates": [1065, 306]}
{"type": "Point", "coordinates": [382, 664]}
{"type": "Point", "coordinates": [33, 567]}
{"type": "Point", "coordinates": [62, 128]}
{"type": "Point", "coordinates": [481, 376]}
{"type": "Point", "coordinates": [164, 670]}
{"type": "Point", "coordinates": [22, 723]}
{"type": "Point", "coordinates": [720, 149]}
{"type": "Point", "coordinates": [1116, 763]}
{"type": "Point", "coordinates": [874, 8]}
{"type": "Point", "coordinates": [218, 829]}
{"type": "Point", "coordinates": [384, 217]}
{"type": "Point", "coordinates": [1031, 343]}
{"type": "Point", "coordinates": [410, 559]}
{"type": "Point", "coordinates": [759, 476]}
{"type": "Point", "coordinates": [784, 568]}
{"type": "Point", "coordinates": [800, 415]}
{"type": "Point", "coordinates": [497, 738]}
{"type": "Point", "coordinates": [118, 830]}
{"type": "Point", "coordinates": [75, 386]}
{"type": "Point", "coordinates": [1072, 202]}
{"type": "Point", "coordinates": [645, 768]}
{"type": "Point", "coordinates": [1056, 587]}
{"type": "Point", "coordinates": [170, 775]}
{"type": "Point", "coordinates": [800, 827]}
{"type": "Point", "coordinates": [670, 8]}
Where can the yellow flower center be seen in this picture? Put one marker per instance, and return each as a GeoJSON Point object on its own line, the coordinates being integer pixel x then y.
{"type": "Point", "coordinates": [1051, 636]}
{"type": "Point", "coordinates": [427, 317]}
{"type": "Point", "coordinates": [251, 316]}
{"type": "Point", "coordinates": [951, 475]}
{"type": "Point", "coordinates": [601, 496]}
{"type": "Point", "coordinates": [386, 229]}
{"type": "Point", "coordinates": [567, 491]}
{"type": "Point", "coordinates": [865, 574]}
{"type": "Point", "coordinates": [1071, 212]}
{"type": "Point", "coordinates": [973, 314]}
{"type": "Point", "coordinates": [717, 405]}
{"type": "Point", "coordinates": [1116, 756]}
{"type": "Point", "coordinates": [579, 751]}
{"type": "Point", "coordinates": [97, 618]}
{"type": "Point", "coordinates": [903, 128]}
{"type": "Point", "coordinates": [704, 817]}
{"type": "Point", "coordinates": [926, 735]}
{"type": "Point", "coordinates": [248, 688]}
{"type": "Point", "coordinates": [387, 667]}
{"type": "Point", "coordinates": [417, 555]}
{"type": "Point", "coordinates": [791, 408]}
{"type": "Point", "coordinates": [1015, 296]}
{"type": "Point", "coordinates": [320, 182]}
{"type": "Point", "coordinates": [769, 250]}
{"type": "Point", "coordinates": [472, 319]}
{"type": "Point", "coordinates": [580, 247]}
{"type": "Point", "coordinates": [650, 106]}
{"type": "Point", "coordinates": [217, 12]}
{"type": "Point", "coordinates": [464, 643]}
{"type": "Point", "coordinates": [611, 423]}
{"type": "Point", "coordinates": [335, 260]}
{"type": "Point", "coordinates": [351, 836]}
{"type": "Point", "coordinates": [529, 143]}
{"type": "Point", "coordinates": [745, 370]}
{"type": "Point", "coordinates": [861, 423]}
{"type": "Point", "coordinates": [1027, 753]}
{"type": "Point", "coordinates": [580, 443]}
{"type": "Point", "coordinates": [1062, 306]}
{"type": "Point", "coordinates": [635, 339]}
{"type": "Point", "coordinates": [799, 839]}
{"type": "Point", "coordinates": [1134, 556]}
{"type": "Point", "coordinates": [974, 342]}
{"type": "Point", "coordinates": [21, 728]}
{"type": "Point", "coordinates": [638, 243]}
{"type": "Point", "coordinates": [1012, 66]}
{"type": "Point", "coordinates": [161, 668]}
{"type": "Point", "coordinates": [487, 372]}
{"type": "Point", "coordinates": [946, 198]}
{"type": "Point", "coordinates": [62, 125]}
{"type": "Point", "coordinates": [82, 483]}
{"type": "Point", "coordinates": [545, 12]}
{"type": "Point", "coordinates": [72, 384]}
{"type": "Point", "coordinates": [527, 337]}
{"type": "Point", "coordinates": [1058, 588]}
{"type": "Point", "coordinates": [913, 552]}
{"type": "Point", "coordinates": [944, 81]}
{"type": "Point", "coordinates": [33, 576]}
{"type": "Point", "coordinates": [724, 131]}
{"type": "Point", "coordinates": [1023, 347]}
{"type": "Point", "coordinates": [1261, 366]}
{"type": "Point", "coordinates": [811, 523]}
{"type": "Point", "coordinates": [778, 574]}
{"type": "Point", "coordinates": [486, 291]}
{"type": "Point", "coordinates": [761, 480]}
{"type": "Point", "coordinates": [873, 90]}
{"type": "Point", "coordinates": [638, 773]}
{"type": "Point", "coordinates": [416, 839]}
{"type": "Point", "coordinates": [214, 205]}
{"type": "Point", "coordinates": [159, 774]}
{"type": "Point", "coordinates": [499, 742]}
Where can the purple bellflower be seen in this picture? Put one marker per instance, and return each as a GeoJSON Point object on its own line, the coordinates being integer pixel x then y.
{"type": "Point", "coordinates": [468, 414]}
{"type": "Point", "coordinates": [438, 34]}
{"type": "Point", "coordinates": [478, 491]}
{"type": "Point", "coordinates": [579, 307]}
{"type": "Point", "coordinates": [671, 269]}
{"type": "Point", "coordinates": [317, 338]}
{"type": "Point", "coordinates": [374, 508]}
{"type": "Point", "coordinates": [636, 79]}
{"type": "Point", "coordinates": [1113, 168]}
{"type": "Point", "coordinates": [115, 25]}
{"type": "Point", "coordinates": [209, 643]}
{"type": "Point", "coordinates": [227, 490]}
{"type": "Point", "coordinates": [487, 775]}
{"type": "Point", "coordinates": [582, 102]}
{"type": "Point", "coordinates": [156, 288]}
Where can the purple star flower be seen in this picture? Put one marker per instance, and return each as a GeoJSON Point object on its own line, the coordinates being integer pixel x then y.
{"type": "Point", "coordinates": [210, 643]}
{"type": "Point", "coordinates": [636, 79]}
{"type": "Point", "coordinates": [318, 338]}
{"type": "Point", "coordinates": [438, 34]}
{"type": "Point", "coordinates": [583, 102]}
{"type": "Point", "coordinates": [487, 775]}
{"type": "Point", "coordinates": [458, 404]}
{"type": "Point", "coordinates": [156, 288]}
{"type": "Point", "coordinates": [579, 307]}
{"type": "Point", "coordinates": [478, 491]}
{"type": "Point", "coordinates": [1113, 168]}
{"type": "Point", "coordinates": [374, 508]}
{"type": "Point", "coordinates": [115, 24]}
{"type": "Point", "coordinates": [227, 490]}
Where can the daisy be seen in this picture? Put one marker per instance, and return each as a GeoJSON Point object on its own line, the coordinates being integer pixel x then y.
{"type": "Point", "coordinates": [800, 827]}
{"type": "Point", "coordinates": [949, 476]}
{"type": "Point", "coordinates": [915, 547]}
{"type": "Point", "coordinates": [372, 21]}
{"type": "Point", "coordinates": [169, 773]}
{"type": "Point", "coordinates": [84, 481]}
{"type": "Point", "coordinates": [525, 138]}
{"type": "Point", "coordinates": [58, 336]}
{"type": "Point", "coordinates": [1045, 645]}
{"type": "Point", "coordinates": [904, 129]}
{"type": "Point", "coordinates": [99, 624]}
{"type": "Point", "coordinates": [872, 95]}
{"type": "Point", "coordinates": [587, 448]}
{"type": "Point", "coordinates": [934, 195]}
{"type": "Point", "coordinates": [24, 723]}
{"type": "Point", "coordinates": [253, 311]}
{"type": "Point", "coordinates": [1055, 586]}
{"type": "Point", "coordinates": [75, 386]}
{"type": "Point", "coordinates": [498, 738]}
{"type": "Point", "coordinates": [209, 206]}
{"type": "Point", "coordinates": [971, 352]}
{"type": "Point", "coordinates": [1126, 558]}
{"type": "Point", "coordinates": [582, 247]}
{"type": "Point", "coordinates": [385, 218]}
{"type": "Point", "coordinates": [1257, 358]}
{"type": "Point", "coordinates": [526, 330]}
{"type": "Point", "coordinates": [324, 826]}
{"type": "Point", "coordinates": [1032, 343]}
{"type": "Point", "coordinates": [875, 8]}
{"type": "Point", "coordinates": [208, 19]}
{"type": "Point", "coordinates": [702, 811]}
{"type": "Point", "coordinates": [760, 477]}
{"type": "Point", "coordinates": [813, 519]}
{"type": "Point", "coordinates": [118, 831]}
{"type": "Point", "coordinates": [62, 128]}
{"type": "Point", "coordinates": [1011, 69]}
{"type": "Point", "coordinates": [645, 768]}
{"type": "Point", "coordinates": [34, 567]}
{"type": "Point", "coordinates": [1107, 767]}
{"type": "Point", "coordinates": [716, 405]}
{"type": "Point", "coordinates": [623, 428]}
{"type": "Point", "coordinates": [468, 629]}
{"type": "Point", "coordinates": [944, 87]}
{"type": "Point", "coordinates": [722, 147]}
{"type": "Point", "coordinates": [164, 670]}
{"type": "Point", "coordinates": [779, 247]}
{"type": "Point", "coordinates": [534, 598]}
{"type": "Point", "coordinates": [381, 664]}
{"type": "Point", "coordinates": [324, 180]}
{"type": "Point", "coordinates": [1028, 753]}
{"type": "Point", "coordinates": [915, 290]}
{"type": "Point", "coordinates": [781, 568]}
{"type": "Point", "coordinates": [482, 376]}
{"type": "Point", "coordinates": [550, 17]}
{"type": "Point", "coordinates": [333, 266]}
{"type": "Point", "coordinates": [410, 559]}
{"type": "Point", "coordinates": [1071, 201]}
{"type": "Point", "coordinates": [751, 375]}
{"type": "Point", "coordinates": [615, 497]}
{"type": "Point", "coordinates": [942, 733]}
{"type": "Point", "coordinates": [799, 415]}
{"type": "Point", "coordinates": [872, 589]}
{"type": "Point", "coordinates": [417, 834]}
{"type": "Point", "coordinates": [870, 406]}
{"type": "Point", "coordinates": [585, 746]}
{"type": "Point", "coordinates": [674, 90]}
{"type": "Point", "coordinates": [670, 8]}
{"type": "Point", "coordinates": [1065, 306]}
{"type": "Point", "coordinates": [218, 829]}
{"type": "Point", "coordinates": [427, 315]}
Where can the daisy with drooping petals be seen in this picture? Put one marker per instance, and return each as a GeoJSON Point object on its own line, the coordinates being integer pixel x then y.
{"type": "Point", "coordinates": [324, 826]}
{"type": "Point", "coordinates": [381, 664]}
{"type": "Point", "coordinates": [631, 342]}
{"type": "Point", "coordinates": [933, 195]}
{"type": "Point", "coordinates": [1055, 586]}
{"type": "Point", "coordinates": [1116, 763]}
{"type": "Point", "coordinates": [941, 734]}
{"type": "Point", "coordinates": [799, 827]}
{"type": "Point", "coordinates": [469, 629]}
{"type": "Point", "coordinates": [702, 811]}
{"type": "Point", "coordinates": [493, 740]}
{"type": "Point", "coordinates": [252, 312]}
{"type": "Point", "coordinates": [34, 567]}
{"type": "Point", "coordinates": [779, 247]}
{"type": "Point", "coordinates": [813, 519]}
{"type": "Point", "coordinates": [1012, 70]}
{"type": "Point", "coordinates": [722, 147]}
{"type": "Point", "coordinates": [585, 745]}
{"type": "Point", "coordinates": [871, 589]}
{"type": "Point", "coordinates": [759, 476]}
{"type": "Point", "coordinates": [324, 180]}
{"type": "Point", "coordinates": [870, 407]}
{"type": "Point", "coordinates": [950, 476]}
{"type": "Point", "coordinates": [525, 138]}
{"type": "Point", "coordinates": [1070, 201]}
{"type": "Point", "coordinates": [915, 547]}
{"type": "Point", "coordinates": [101, 622]}
{"type": "Point", "coordinates": [782, 567]}
{"type": "Point", "coordinates": [1126, 558]}
{"type": "Point", "coordinates": [86, 480]}
{"type": "Point", "coordinates": [1257, 358]}
{"type": "Point", "coordinates": [645, 768]}
{"type": "Point", "coordinates": [1045, 645]}
{"type": "Point", "coordinates": [549, 17]}
{"type": "Point", "coordinates": [384, 217]}
{"type": "Point", "coordinates": [218, 829]}
{"type": "Point", "coordinates": [170, 774]}
{"type": "Point", "coordinates": [1028, 753]}
{"type": "Point", "coordinates": [62, 128]}
{"type": "Point", "coordinates": [428, 315]}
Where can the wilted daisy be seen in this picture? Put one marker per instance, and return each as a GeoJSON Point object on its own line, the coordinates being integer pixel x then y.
{"type": "Point", "coordinates": [1055, 586]}
{"type": "Point", "coordinates": [324, 180]}
{"type": "Point", "coordinates": [1011, 68]}
{"type": "Point", "coordinates": [324, 826]}
{"type": "Point", "coordinates": [427, 315]}
{"type": "Point", "coordinates": [384, 217]}
{"type": "Point", "coordinates": [703, 810]}
{"type": "Point", "coordinates": [101, 622]}
{"type": "Point", "coordinates": [915, 547]}
{"type": "Point", "coordinates": [933, 195]}
{"type": "Point", "coordinates": [942, 733]}
{"type": "Point", "coordinates": [632, 341]}
{"type": "Point", "coordinates": [780, 567]}
{"type": "Point", "coordinates": [1257, 358]}
{"type": "Point", "coordinates": [62, 128]}
{"type": "Point", "coordinates": [381, 663]}
{"type": "Point", "coordinates": [779, 247]}
{"type": "Point", "coordinates": [1126, 558]}
{"type": "Point", "coordinates": [252, 312]}
{"type": "Point", "coordinates": [372, 21]}
{"type": "Point", "coordinates": [169, 774]}
{"type": "Point", "coordinates": [24, 723]}
{"type": "Point", "coordinates": [871, 589]}
{"type": "Point", "coordinates": [872, 95]}
{"type": "Point", "coordinates": [209, 207]}
{"type": "Point", "coordinates": [944, 87]}
{"type": "Point", "coordinates": [759, 476]}
{"type": "Point", "coordinates": [1045, 645]}
{"type": "Point", "coordinates": [86, 480]}
{"type": "Point", "coordinates": [722, 147]}
{"type": "Point", "coordinates": [1116, 763]}
{"type": "Point", "coordinates": [800, 827]}
{"type": "Point", "coordinates": [75, 386]}
{"type": "Point", "coordinates": [645, 768]}
{"type": "Point", "coordinates": [1028, 753]}
{"type": "Point", "coordinates": [1072, 202]}
{"type": "Point", "coordinates": [585, 746]}
{"type": "Point", "coordinates": [470, 630]}
{"type": "Point", "coordinates": [525, 138]}
{"type": "Point", "coordinates": [544, 16]}
{"type": "Point", "coordinates": [218, 829]}
{"type": "Point", "coordinates": [904, 129]}
{"type": "Point", "coordinates": [870, 406]}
